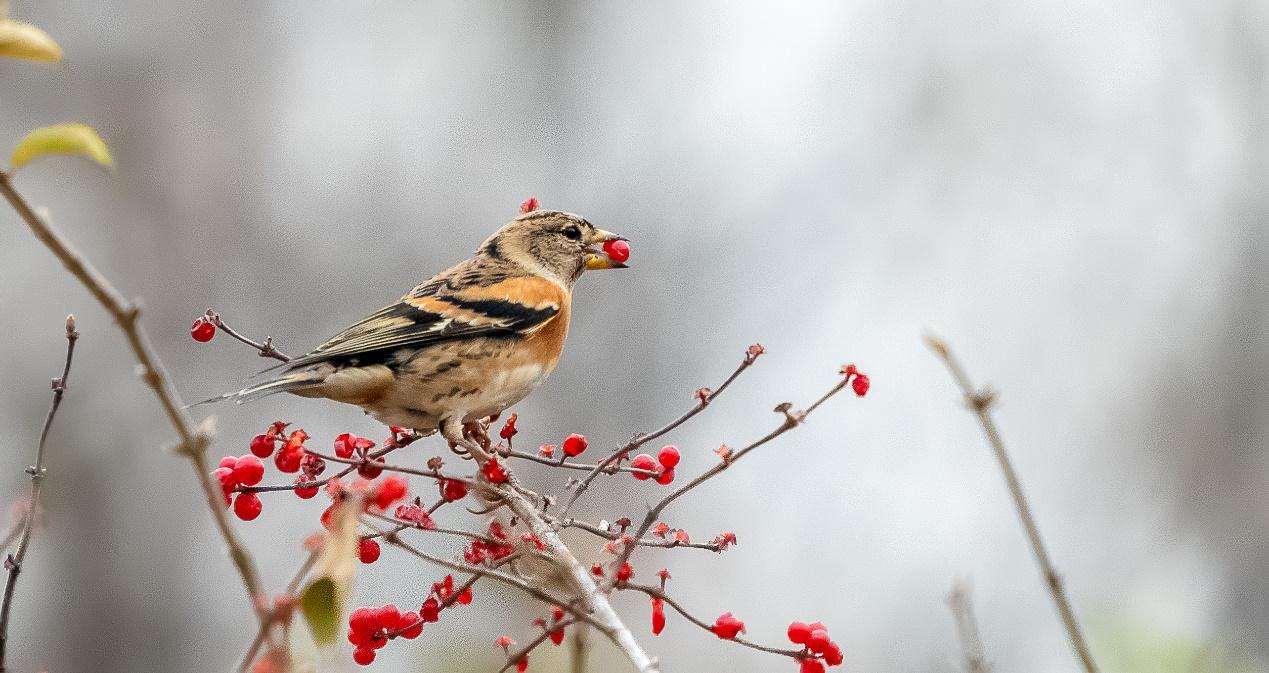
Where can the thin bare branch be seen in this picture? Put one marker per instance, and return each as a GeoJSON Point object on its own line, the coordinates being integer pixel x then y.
{"type": "Point", "coordinates": [193, 442]}
{"type": "Point", "coordinates": [979, 402]}
{"type": "Point", "coordinates": [646, 542]}
{"type": "Point", "coordinates": [654, 592]}
{"type": "Point", "coordinates": [958, 600]}
{"type": "Point", "coordinates": [790, 420]}
{"type": "Point", "coordinates": [751, 356]}
{"type": "Point", "coordinates": [13, 562]}
{"type": "Point", "coordinates": [514, 658]}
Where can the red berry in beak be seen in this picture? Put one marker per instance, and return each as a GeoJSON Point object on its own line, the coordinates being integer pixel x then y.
{"type": "Point", "coordinates": [617, 251]}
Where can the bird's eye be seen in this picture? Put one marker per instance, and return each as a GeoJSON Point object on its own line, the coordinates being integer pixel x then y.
{"type": "Point", "coordinates": [572, 233]}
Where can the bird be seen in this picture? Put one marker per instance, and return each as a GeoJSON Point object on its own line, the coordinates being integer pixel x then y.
{"type": "Point", "coordinates": [463, 345]}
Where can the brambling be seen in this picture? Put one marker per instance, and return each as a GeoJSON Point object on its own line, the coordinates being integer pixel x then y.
{"type": "Point", "coordinates": [465, 344]}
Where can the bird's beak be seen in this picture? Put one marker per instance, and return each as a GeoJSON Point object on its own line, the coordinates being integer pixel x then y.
{"type": "Point", "coordinates": [596, 261]}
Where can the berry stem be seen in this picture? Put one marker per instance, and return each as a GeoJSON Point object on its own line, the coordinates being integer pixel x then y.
{"type": "Point", "coordinates": [264, 349]}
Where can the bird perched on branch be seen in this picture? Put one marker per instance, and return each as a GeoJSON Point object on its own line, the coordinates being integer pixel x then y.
{"type": "Point", "coordinates": [467, 343]}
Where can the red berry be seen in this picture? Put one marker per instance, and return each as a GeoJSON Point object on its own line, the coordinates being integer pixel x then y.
{"type": "Point", "coordinates": [799, 632]}
{"type": "Point", "coordinates": [665, 477]}
{"type": "Point", "coordinates": [344, 445]}
{"type": "Point", "coordinates": [658, 616]}
{"type": "Point", "coordinates": [431, 610]}
{"type": "Point", "coordinates": [248, 470]}
{"type": "Point", "coordinates": [288, 460]}
{"type": "Point", "coordinates": [818, 641]}
{"type": "Point", "coordinates": [412, 625]}
{"type": "Point", "coordinates": [203, 330]}
{"type": "Point", "coordinates": [362, 620]}
{"type": "Point", "coordinates": [727, 626]}
{"type": "Point", "coordinates": [247, 506]}
{"type": "Point", "coordinates": [811, 666]}
{"type": "Point", "coordinates": [833, 655]}
{"type": "Point", "coordinates": [522, 665]}
{"type": "Point", "coordinates": [557, 636]}
{"type": "Point", "coordinates": [625, 572]}
{"type": "Point", "coordinates": [668, 457]}
{"type": "Point", "coordinates": [369, 551]}
{"type": "Point", "coordinates": [574, 445]}
{"type": "Point", "coordinates": [364, 655]}
{"type": "Point", "coordinates": [860, 385]}
{"type": "Point", "coordinates": [509, 428]}
{"type": "Point", "coordinates": [371, 469]}
{"type": "Point", "coordinates": [305, 492]}
{"type": "Point", "coordinates": [227, 461]}
{"type": "Point", "coordinates": [391, 490]}
{"type": "Point", "coordinates": [465, 596]}
{"type": "Point", "coordinates": [262, 446]}
{"type": "Point", "coordinates": [617, 251]}
{"type": "Point", "coordinates": [528, 205]}
{"type": "Point", "coordinates": [494, 472]}
{"type": "Point", "coordinates": [225, 475]}
{"type": "Point", "coordinates": [387, 616]}
{"type": "Point", "coordinates": [453, 489]}
{"type": "Point", "coordinates": [643, 462]}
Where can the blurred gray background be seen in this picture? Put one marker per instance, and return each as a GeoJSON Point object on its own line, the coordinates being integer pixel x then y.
{"type": "Point", "coordinates": [1072, 193]}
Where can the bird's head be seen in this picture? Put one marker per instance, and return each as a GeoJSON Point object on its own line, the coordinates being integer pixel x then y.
{"type": "Point", "coordinates": [552, 243]}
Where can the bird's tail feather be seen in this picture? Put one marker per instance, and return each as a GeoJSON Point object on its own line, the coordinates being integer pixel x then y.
{"type": "Point", "coordinates": [282, 384]}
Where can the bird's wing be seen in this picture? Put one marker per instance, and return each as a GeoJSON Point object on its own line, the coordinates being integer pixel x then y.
{"type": "Point", "coordinates": [439, 312]}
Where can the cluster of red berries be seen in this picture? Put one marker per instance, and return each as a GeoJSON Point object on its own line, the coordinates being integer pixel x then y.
{"type": "Point", "coordinates": [660, 468]}
{"type": "Point", "coordinates": [814, 637]}
{"type": "Point", "coordinates": [369, 629]}
{"type": "Point", "coordinates": [241, 471]}
{"type": "Point", "coordinates": [858, 381]}
{"type": "Point", "coordinates": [496, 548]}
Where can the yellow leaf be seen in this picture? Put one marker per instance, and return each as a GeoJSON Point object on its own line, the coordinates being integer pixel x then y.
{"type": "Point", "coordinates": [24, 41]}
{"type": "Point", "coordinates": [61, 139]}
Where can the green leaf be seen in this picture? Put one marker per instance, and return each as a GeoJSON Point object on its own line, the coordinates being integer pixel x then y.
{"type": "Point", "coordinates": [24, 41]}
{"type": "Point", "coordinates": [323, 600]}
{"type": "Point", "coordinates": [61, 139]}
{"type": "Point", "coordinates": [322, 609]}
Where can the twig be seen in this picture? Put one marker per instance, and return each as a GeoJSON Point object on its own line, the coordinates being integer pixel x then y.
{"type": "Point", "coordinates": [193, 442]}
{"type": "Point", "coordinates": [647, 542]}
{"type": "Point", "coordinates": [264, 350]}
{"type": "Point", "coordinates": [962, 608]}
{"type": "Point", "coordinates": [751, 356]}
{"type": "Point", "coordinates": [13, 562]}
{"type": "Point", "coordinates": [791, 419]}
{"type": "Point", "coordinates": [980, 401]}
{"type": "Point", "coordinates": [514, 658]}
{"type": "Point", "coordinates": [480, 571]}
{"type": "Point", "coordinates": [658, 593]}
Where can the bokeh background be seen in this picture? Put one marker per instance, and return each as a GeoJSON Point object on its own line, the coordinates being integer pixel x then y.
{"type": "Point", "coordinates": [1072, 193]}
